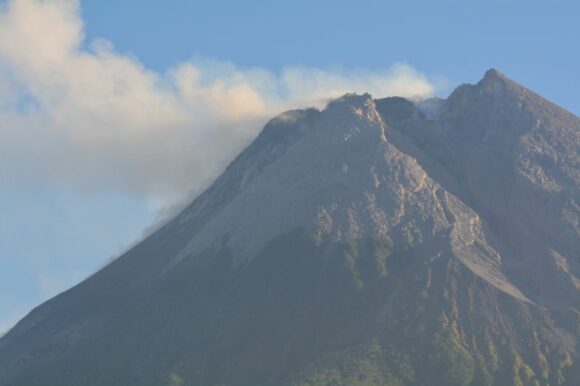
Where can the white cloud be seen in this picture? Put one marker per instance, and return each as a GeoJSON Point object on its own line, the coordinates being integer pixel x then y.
{"type": "Point", "coordinates": [95, 119]}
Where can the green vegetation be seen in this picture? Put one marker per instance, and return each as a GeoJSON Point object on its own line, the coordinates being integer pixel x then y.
{"type": "Point", "coordinates": [382, 248]}
{"type": "Point", "coordinates": [175, 380]}
{"type": "Point", "coordinates": [367, 260]}
{"type": "Point", "coordinates": [307, 312]}
{"type": "Point", "coordinates": [351, 256]}
{"type": "Point", "coordinates": [522, 373]}
{"type": "Point", "coordinates": [453, 364]}
{"type": "Point", "coordinates": [316, 239]}
{"type": "Point", "coordinates": [367, 365]}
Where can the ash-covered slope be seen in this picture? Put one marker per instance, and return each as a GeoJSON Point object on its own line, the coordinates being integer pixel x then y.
{"type": "Point", "coordinates": [376, 242]}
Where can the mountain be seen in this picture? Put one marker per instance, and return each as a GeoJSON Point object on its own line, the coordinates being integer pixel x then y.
{"type": "Point", "coordinates": [375, 242]}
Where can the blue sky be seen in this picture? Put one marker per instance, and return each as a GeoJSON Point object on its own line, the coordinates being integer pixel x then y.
{"type": "Point", "coordinates": [532, 41]}
{"type": "Point", "coordinates": [110, 112]}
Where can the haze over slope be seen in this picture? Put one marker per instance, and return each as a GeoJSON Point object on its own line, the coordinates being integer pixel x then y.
{"type": "Point", "coordinates": [375, 242]}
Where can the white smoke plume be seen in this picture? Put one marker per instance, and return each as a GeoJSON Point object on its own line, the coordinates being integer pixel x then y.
{"type": "Point", "coordinates": [95, 119]}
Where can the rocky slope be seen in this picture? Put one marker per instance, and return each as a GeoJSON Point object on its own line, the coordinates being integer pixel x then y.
{"type": "Point", "coordinates": [376, 242]}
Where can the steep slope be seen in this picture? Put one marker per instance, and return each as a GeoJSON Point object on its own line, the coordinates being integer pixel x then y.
{"type": "Point", "coordinates": [516, 158]}
{"type": "Point", "coordinates": [376, 242]}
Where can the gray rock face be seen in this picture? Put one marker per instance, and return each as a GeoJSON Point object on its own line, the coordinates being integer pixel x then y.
{"type": "Point", "coordinates": [446, 231]}
{"type": "Point", "coordinates": [516, 157]}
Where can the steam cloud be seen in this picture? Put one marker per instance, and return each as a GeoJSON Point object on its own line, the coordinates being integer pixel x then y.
{"type": "Point", "coordinates": [95, 119]}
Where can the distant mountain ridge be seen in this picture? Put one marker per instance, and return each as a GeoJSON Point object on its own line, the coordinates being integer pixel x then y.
{"type": "Point", "coordinates": [375, 242]}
